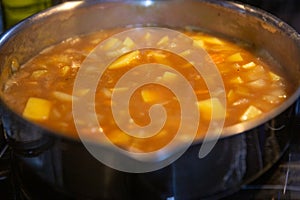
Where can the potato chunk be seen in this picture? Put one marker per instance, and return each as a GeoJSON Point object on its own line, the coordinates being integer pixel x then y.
{"type": "Point", "coordinates": [198, 43]}
{"type": "Point", "coordinates": [212, 40]}
{"type": "Point", "coordinates": [149, 96]}
{"type": "Point", "coordinates": [128, 42]}
{"type": "Point", "coordinates": [207, 106]}
{"type": "Point", "coordinates": [250, 113]}
{"type": "Point", "coordinates": [37, 109]}
{"type": "Point", "coordinates": [235, 58]}
{"type": "Point", "coordinates": [125, 60]}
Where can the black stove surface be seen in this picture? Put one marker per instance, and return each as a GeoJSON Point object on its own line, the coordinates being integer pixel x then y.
{"type": "Point", "coordinates": [282, 181]}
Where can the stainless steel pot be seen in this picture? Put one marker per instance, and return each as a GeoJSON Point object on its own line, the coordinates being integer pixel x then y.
{"type": "Point", "coordinates": [61, 167]}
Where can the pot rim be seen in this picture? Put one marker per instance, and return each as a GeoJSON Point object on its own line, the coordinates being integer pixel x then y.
{"type": "Point", "coordinates": [243, 9]}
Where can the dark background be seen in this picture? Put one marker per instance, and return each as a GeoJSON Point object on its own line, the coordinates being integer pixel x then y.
{"type": "Point", "coordinates": [286, 10]}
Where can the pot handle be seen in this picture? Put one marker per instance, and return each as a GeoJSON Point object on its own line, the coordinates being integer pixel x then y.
{"type": "Point", "coordinates": [297, 108]}
{"type": "Point", "coordinates": [4, 156]}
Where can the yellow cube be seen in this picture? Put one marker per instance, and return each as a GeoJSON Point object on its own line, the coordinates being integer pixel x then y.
{"type": "Point", "coordinates": [37, 109]}
{"type": "Point", "coordinates": [207, 106]}
{"type": "Point", "coordinates": [235, 58]}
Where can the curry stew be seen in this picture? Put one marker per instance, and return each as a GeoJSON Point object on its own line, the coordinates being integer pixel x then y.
{"type": "Point", "coordinates": [41, 90]}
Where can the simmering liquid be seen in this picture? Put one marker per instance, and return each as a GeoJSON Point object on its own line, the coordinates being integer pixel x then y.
{"type": "Point", "coordinates": [42, 89]}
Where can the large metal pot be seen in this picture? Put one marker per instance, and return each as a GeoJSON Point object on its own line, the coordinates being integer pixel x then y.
{"type": "Point", "coordinates": [47, 165]}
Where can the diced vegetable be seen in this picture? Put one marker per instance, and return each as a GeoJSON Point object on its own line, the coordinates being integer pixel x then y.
{"type": "Point", "coordinates": [257, 72]}
{"type": "Point", "coordinates": [111, 43]}
{"type": "Point", "coordinates": [75, 65]}
{"type": "Point", "coordinates": [198, 43]}
{"type": "Point", "coordinates": [119, 89]}
{"type": "Point", "coordinates": [147, 96]}
{"type": "Point", "coordinates": [62, 96]}
{"type": "Point", "coordinates": [150, 96]}
{"type": "Point", "coordinates": [230, 95]}
{"type": "Point", "coordinates": [169, 77]}
{"type": "Point", "coordinates": [117, 52]}
{"type": "Point", "coordinates": [212, 40]}
{"type": "Point", "coordinates": [163, 41]}
{"type": "Point", "coordinates": [185, 53]}
{"type": "Point", "coordinates": [271, 99]}
{"type": "Point", "coordinates": [159, 56]}
{"type": "Point", "coordinates": [257, 83]}
{"type": "Point", "coordinates": [243, 91]}
{"type": "Point", "coordinates": [250, 113]}
{"type": "Point", "coordinates": [62, 58]}
{"type": "Point", "coordinates": [147, 36]}
{"type": "Point", "coordinates": [125, 60]}
{"type": "Point", "coordinates": [107, 93]}
{"type": "Point", "coordinates": [207, 106]}
{"type": "Point", "coordinates": [235, 58]}
{"type": "Point", "coordinates": [81, 92]}
{"type": "Point", "coordinates": [237, 80]}
{"type": "Point", "coordinates": [278, 93]}
{"type": "Point", "coordinates": [37, 109]}
{"type": "Point", "coordinates": [249, 65]}
{"type": "Point", "coordinates": [65, 70]}
{"type": "Point", "coordinates": [128, 42]}
{"type": "Point", "coordinates": [38, 73]}
{"type": "Point", "coordinates": [274, 77]}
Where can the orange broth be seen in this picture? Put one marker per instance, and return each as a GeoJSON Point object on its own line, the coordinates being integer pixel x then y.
{"type": "Point", "coordinates": [41, 90]}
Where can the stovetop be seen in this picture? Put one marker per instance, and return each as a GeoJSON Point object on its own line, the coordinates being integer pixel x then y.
{"type": "Point", "coordinates": [282, 181]}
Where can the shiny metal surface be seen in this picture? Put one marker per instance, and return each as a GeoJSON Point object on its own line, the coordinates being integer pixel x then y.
{"type": "Point", "coordinates": [61, 167]}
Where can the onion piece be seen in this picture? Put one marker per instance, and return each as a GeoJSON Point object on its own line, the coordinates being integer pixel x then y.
{"type": "Point", "coordinates": [169, 77]}
{"type": "Point", "coordinates": [125, 60]}
{"type": "Point", "coordinates": [249, 65]}
{"type": "Point", "coordinates": [163, 41]}
{"type": "Point", "coordinates": [111, 43]}
{"type": "Point", "coordinates": [257, 83]}
{"type": "Point", "coordinates": [250, 113]}
{"type": "Point", "coordinates": [128, 42]}
{"type": "Point", "coordinates": [63, 96]}
{"type": "Point", "coordinates": [274, 77]}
